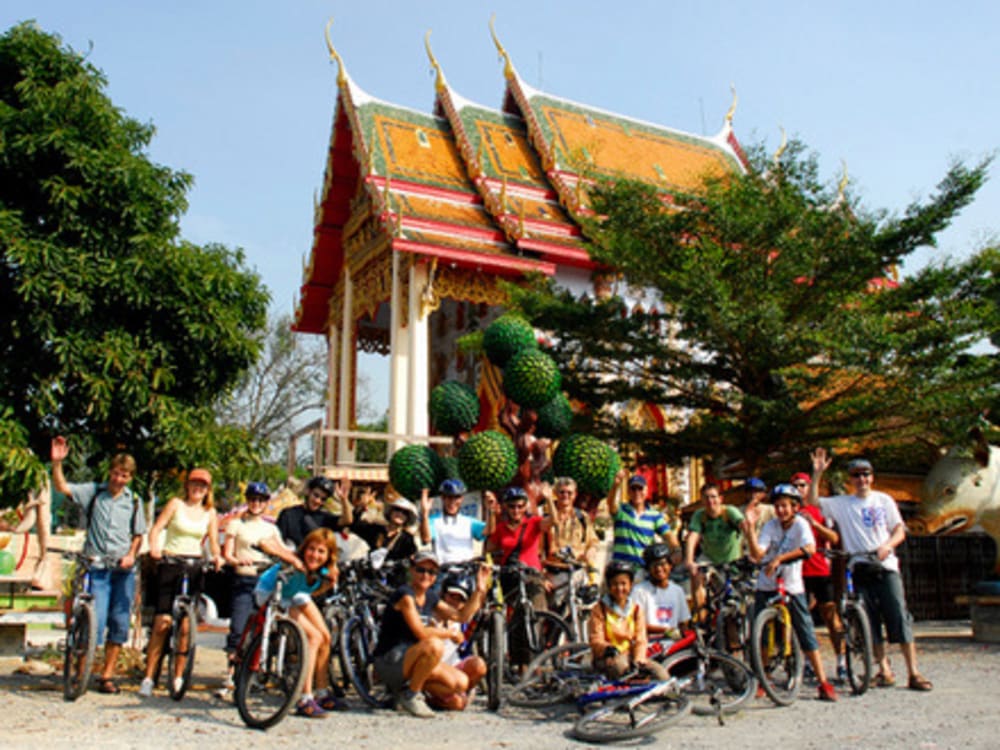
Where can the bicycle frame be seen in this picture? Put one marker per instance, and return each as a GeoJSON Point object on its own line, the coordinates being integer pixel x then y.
{"type": "Point", "coordinates": [780, 603]}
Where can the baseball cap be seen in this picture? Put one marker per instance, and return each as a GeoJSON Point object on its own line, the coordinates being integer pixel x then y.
{"type": "Point", "coordinates": [859, 464]}
{"type": "Point", "coordinates": [800, 477]}
{"type": "Point", "coordinates": [637, 480]}
{"type": "Point", "coordinates": [755, 484]}
{"type": "Point", "coordinates": [425, 555]}
{"type": "Point", "coordinates": [200, 475]}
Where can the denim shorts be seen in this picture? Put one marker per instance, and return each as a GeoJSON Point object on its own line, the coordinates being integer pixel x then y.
{"type": "Point", "coordinates": [113, 590]}
{"type": "Point", "coordinates": [798, 607]}
{"type": "Point", "coordinates": [389, 667]}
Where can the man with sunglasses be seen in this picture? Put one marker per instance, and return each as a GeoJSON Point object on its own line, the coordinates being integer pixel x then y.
{"type": "Point", "coordinates": [452, 533]}
{"type": "Point", "coordinates": [869, 521]}
{"type": "Point", "coordinates": [296, 522]}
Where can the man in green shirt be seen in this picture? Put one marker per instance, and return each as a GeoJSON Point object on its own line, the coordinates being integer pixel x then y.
{"type": "Point", "coordinates": [717, 528]}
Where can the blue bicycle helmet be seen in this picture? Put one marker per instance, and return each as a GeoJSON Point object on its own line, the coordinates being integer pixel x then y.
{"type": "Point", "coordinates": [257, 488]}
{"type": "Point", "coordinates": [755, 484]}
{"type": "Point", "coordinates": [786, 490]}
{"type": "Point", "coordinates": [452, 488]}
{"type": "Point", "coordinates": [514, 493]}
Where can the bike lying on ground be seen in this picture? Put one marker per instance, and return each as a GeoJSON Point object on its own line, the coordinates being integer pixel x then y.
{"type": "Point", "coordinates": [270, 662]}
{"type": "Point", "coordinates": [624, 710]}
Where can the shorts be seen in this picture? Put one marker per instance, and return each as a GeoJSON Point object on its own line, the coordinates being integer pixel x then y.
{"type": "Point", "coordinates": [389, 667]}
{"type": "Point", "coordinates": [166, 584]}
{"type": "Point", "coordinates": [820, 588]}
{"type": "Point", "coordinates": [886, 604]}
{"type": "Point", "coordinates": [113, 590]}
{"type": "Point", "coordinates": [801, 619]}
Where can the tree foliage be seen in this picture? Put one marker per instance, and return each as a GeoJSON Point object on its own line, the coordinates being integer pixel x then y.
{"type": "Point", "coordinates": [114, 327]}
{"type": "Point", "coordinates": [763, 315]}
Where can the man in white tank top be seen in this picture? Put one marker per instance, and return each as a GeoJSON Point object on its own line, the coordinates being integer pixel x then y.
{"type": "Point", "coordinates": [452, 534]}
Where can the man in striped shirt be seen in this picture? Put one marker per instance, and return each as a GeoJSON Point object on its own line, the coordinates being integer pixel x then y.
{"type": "Point", "coordinates": [636, 526]}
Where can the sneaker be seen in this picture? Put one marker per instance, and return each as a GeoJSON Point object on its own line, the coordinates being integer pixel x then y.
{"type": "Point", "coordinates": [309, 708]}
{"type": "Point", "coordinates": [808, 674]}
{"type": "Point", "coordinates": [224, 694]}
{"type": "Point", "coordinates": [415, 704]}
{"type": "Point", "coordinates": [331, 702]}
{"type": "Point", "coordinates": [146, 688]}
{"type": "Point", "coordinates": [827, 693]}
{"type": "Point", "coordinates": [178, 684]}
{"type": "Point", "coordinates": [842, 674]}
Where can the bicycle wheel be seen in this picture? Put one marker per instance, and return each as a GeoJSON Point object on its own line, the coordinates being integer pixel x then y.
{"type": "Point", "coordinates": [78, 659]}
{"type": "Point", "coordinates": [858, 648]}
{"type": "Point", "coordinates": [559, 674]}
{"type": "Point", "coordinates": [549, 630]}
{"type": "Point", "coordinates": [730, 632]}
{"type": "Point", "coordinates": [335, 667]}
{"type": "Point", "coordinates": [717, 683]}
{"type": "Point", "coordinates": [496, 652]}
{"type": "Point", "coordinates": [356, 645]}
{"type": "Point", "coordinates": [620, 720]}
{"type": "Point", "coordinates": [776, 656]}
{"type": "Point", "coordinates": [183, 643]}
{"type": "Point", "coordinates": [268, 684]}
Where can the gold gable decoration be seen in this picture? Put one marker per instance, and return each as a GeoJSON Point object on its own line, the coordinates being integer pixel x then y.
{"type": "Point", "coordinates": [466, 285]}
{"type": "Point", "coordinates": [372, 287]}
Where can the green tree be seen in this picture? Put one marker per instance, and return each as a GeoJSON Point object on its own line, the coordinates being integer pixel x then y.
{"type": "Point", "coordinates": [114, 327]}
{"type": "Point", "coordinates": [770, 322]}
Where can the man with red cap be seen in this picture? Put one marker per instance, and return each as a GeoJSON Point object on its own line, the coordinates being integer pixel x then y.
{"type": "Point", "coordinates": [816, 569]}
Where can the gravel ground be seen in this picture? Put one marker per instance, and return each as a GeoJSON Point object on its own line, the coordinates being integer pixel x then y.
{"type": "Point", "coordinates": [959, 713]}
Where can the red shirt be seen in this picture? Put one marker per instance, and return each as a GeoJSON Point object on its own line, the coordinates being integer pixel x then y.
{"type": "Point", "coordinates": [505, 538]}
{"type": "Point", "coordinates": [817, 566]}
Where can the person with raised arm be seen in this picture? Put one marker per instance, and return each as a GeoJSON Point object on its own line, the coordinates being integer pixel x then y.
{"type": "Point", "coordinates": [869, 522]}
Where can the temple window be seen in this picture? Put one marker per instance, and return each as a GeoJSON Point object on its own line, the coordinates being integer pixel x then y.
{"type": "Point", "coordinates": [422, 139]}
{"type": "Point", "coordinates": [509, 139]}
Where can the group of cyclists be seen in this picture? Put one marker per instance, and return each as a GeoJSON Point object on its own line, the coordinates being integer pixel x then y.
{"type": "Point", "coordinates": [545, 532]}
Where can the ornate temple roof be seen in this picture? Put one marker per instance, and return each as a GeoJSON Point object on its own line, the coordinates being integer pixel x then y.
{"type": "Point", "coordinates": [494, 191]}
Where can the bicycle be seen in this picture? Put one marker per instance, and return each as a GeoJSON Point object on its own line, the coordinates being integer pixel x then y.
{"type": "Point", "coordinates": [629, 709]}
{"type": "Point", "coordinates": [181, 643]}
{"type": "Point", "coordinates": [775, 651]}
{"type": "Point", "coordinates": [857, 631]}
{"type": "Point", "coordinates": [81, 628]}
{"type": "Point", "coordinates": [538, 629]}
{"type": "Point", "coordinates": [270, 662]}
{"type": "Point", "coordinates": [573, 601]}
{"type": "Point", "coordinates": [729, 588]}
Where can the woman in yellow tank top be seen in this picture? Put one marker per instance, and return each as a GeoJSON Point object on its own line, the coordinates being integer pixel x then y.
{"type": "Point", "coordinates": [618, 638]}
{"type": "Point", "coordinates": [187, 522]}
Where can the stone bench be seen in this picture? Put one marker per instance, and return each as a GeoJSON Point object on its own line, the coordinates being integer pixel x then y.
{"type": "Point", "coordinates": [984, 611]}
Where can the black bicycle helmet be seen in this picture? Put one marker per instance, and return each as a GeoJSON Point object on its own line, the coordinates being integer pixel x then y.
{"type": "Point", "coordinates": [617, 568]}
{"type": "Point", "coordinates": [513, 494]}
{"type": "Point", "coordinates": [260, 489]}
{"type": "Point", "coordinates": [323, 484]}
{"type": "Point", "coordinates": [654, 553]}
{"type": "Point", "coordinates": [459, 582]}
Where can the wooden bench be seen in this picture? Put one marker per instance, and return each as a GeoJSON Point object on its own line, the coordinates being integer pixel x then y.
{"type": "Point", "coordinates": [984, 611]}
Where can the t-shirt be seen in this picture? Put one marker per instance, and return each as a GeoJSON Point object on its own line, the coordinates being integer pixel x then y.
{"type": "Point", "coordinates": [113, 520]}
{"type": "Point", "coordinates": [816, 566]}
{"type": "Point", "coordinates": [635, 531]}
{"type": "Point", "coordinates": [864, 523]}
{"type": "Point", "coordinates": [665, 607]}
{"type": "Point", "coordinates": [453, 536]}
{"type": "Point", "coordinates": [247, 533]}
{"type": "Point", "coordinates": [296, 522]}
{"type": "Point", "coordinates": [297, 583]}
{"type": "Point", "coordinates": [720, 537]}
{"type": "Point", "coordinates": [777, 541]}
{"type": "Point", "coordinates": [505, 538]}
{"type": "Point", "coordinates": [393, 629]}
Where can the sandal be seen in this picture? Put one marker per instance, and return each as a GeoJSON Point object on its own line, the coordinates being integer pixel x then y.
{"type": "Point", "coordinates": [884, 680]}
{"type": "Point", "coordinates": [919, 682]}
{"type": "Point", "coordinates": [108, 686]}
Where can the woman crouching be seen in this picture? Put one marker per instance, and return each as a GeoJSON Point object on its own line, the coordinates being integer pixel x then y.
{"type": "Point", "coordinates": [410, 651]}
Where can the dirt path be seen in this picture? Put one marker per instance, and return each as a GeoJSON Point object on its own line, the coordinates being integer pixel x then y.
{"type": "Point", "coordinates": [959, 713]}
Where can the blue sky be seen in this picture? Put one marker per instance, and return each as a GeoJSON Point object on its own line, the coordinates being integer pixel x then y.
{"type": "Point", "coordinates": [242, 93]}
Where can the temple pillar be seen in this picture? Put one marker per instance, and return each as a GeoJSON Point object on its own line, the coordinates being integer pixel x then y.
{"type": "Point", "coordinates": [345, 415]}
{"type": "Point", "coordinates": [399, 356]}
{"type": "Point", "coordinates": [418, 421]}
{"type": "Point", "coordinates": [332, 392]}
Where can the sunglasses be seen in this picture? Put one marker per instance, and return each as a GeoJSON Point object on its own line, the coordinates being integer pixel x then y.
{"type": "Point", "coordinates": [257, 499]}
{"type": "Point", "coordinates": [856, 474]}
{"type": "Point", "coordinates": [517, 505]}
{"type": "Point", "coordinates": [800, 484]}
{"type": "Point", "coordinates": [425, 571]}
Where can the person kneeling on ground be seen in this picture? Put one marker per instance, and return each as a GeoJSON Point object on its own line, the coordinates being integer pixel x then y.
{"type": "Point", "coordinates": [663, 601]}
{"type": "Point", "coordinates": [456, 590]}
{"type": "Point", "coordinates": [784, 543]}
{"type": "Point", "coordinates": [408, 655]}
{"type": "Point", "coordinates": [618, 638]}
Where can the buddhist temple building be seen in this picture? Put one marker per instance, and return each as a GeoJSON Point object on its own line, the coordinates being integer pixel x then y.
{"type": "Point", "coordinates": [421, 215]}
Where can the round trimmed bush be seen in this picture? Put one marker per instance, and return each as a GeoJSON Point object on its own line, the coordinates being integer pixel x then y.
{"type": "Point", "coordinates": [453, 408]}
{"type": "Point", "coordinates": [414, 468]}
{"type": "Point", "coordinates": [531, 379]}
{"type": "Point", "coordinates": [590, 462]}
{"type": "Point", "coordinates": [487, 461]}
{"type": "Point", "coordinates": [506, 336]}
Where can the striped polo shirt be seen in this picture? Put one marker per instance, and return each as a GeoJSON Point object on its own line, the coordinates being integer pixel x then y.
{"type": "Point", "coordinates": [634, 532]}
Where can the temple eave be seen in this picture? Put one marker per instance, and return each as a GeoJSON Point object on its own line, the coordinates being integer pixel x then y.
{"type": "Point", "coordinates": [499, 264]}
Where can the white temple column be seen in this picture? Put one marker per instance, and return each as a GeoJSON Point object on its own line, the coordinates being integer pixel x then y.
{"type": "Point", "coordinates": [418, 422]}
{"type": "Point", "coordinates": [399, 357]}
{"type": "Point", "coordinates": [346, 370]}
{"type": "Point", "coordinates": [332, 392]}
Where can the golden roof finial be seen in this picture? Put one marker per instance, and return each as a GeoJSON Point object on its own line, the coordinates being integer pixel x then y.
{"type": "Point", "coordinates": [781, 148]}
{"type": "Point", "coordinates": [732, 107]}
{"type": "Point", "coordinates": [508, 68]}
{"type": "Point", "coordinates": [842, 186]}
{"type": "Point", "coordinates": [439, 82]}
{"type": "Point", "coordinates": [341, 72]}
